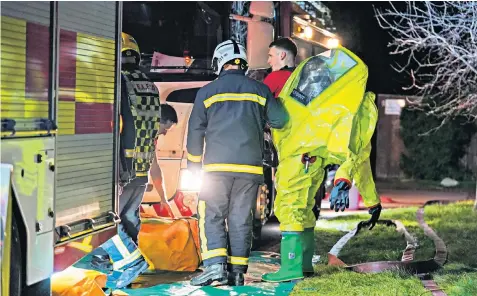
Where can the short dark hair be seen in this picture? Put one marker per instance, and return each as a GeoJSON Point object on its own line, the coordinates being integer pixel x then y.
{"type": "Point", "coordinates": [168, 113]}
{"type": "Point", "coordinates": [285, 44]}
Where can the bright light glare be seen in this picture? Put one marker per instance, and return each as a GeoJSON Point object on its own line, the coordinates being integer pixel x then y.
{"type": "Point", "coordinates": [308, 32]}
{"type": "Point", "coordinates": [190, 181]}
{"type": "Point", "coordinates": [333, 43]}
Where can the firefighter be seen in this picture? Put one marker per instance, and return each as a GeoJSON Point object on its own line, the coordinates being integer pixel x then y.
{"type": "Point", "coordinates": [229, 114]}
{"type": "Point", "coordinates": [140, 114]}
{"type": "Point", "coordinates": [331, 122]}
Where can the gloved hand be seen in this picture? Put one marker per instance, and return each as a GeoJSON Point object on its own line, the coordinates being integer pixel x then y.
{"type": "Point", "coordinates": [375, 212]}
{"type": "Point", "coordinates": [339, 197]}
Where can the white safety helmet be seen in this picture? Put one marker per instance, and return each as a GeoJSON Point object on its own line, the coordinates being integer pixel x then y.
{"type": "Point", "coordinates": [228, 51]}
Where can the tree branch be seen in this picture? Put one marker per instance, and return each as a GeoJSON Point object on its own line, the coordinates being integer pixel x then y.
{"type": "Point", "coordinates": [439, 41]}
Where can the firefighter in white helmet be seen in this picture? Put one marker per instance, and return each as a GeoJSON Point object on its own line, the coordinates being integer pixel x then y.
{"type": "Point", "coordinates": [229, 114]}
{"type": "Point", "coordinates": [140, 113]}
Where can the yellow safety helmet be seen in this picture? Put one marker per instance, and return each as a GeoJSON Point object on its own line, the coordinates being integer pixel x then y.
{"type": "Point", "coordinates": [129, 46]}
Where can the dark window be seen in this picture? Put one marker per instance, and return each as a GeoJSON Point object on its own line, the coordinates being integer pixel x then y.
{"type": "Point", "coordinates": [172, 28]}
{"type": "Point", "coordinates": [183, 95]}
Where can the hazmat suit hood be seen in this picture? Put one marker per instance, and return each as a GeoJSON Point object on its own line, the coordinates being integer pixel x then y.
{"type": "Point", "coordinates": [323, 97]}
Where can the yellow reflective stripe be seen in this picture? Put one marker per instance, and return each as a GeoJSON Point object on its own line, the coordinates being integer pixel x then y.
{"type": "Point", "coordinates": [291, 227]}
{"type": "Point", "coordinates": [130, 153]}
{"type": "Point", "coordinates": [194, 158]}
{"type": "Point", "coordinates": [235, 97]}
{"type": "Point", "coordinates": [214, 253]}
{"type": "Point", "coordinates": [237, 260]}
{"type": "Point", "coordinates": [128, 260]}
{"type": "Point", "coordinates": [233, 168]}
{"type": "Point", "coordinates": [120, 246]}
{"type": "Point", "coordinates": [203, 238]}
{"type": "Point", "coordinates": [141, 174]}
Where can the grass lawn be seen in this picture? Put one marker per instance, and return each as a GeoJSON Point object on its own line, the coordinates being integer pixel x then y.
{"type": "Point", "coordinates": [456, 224]}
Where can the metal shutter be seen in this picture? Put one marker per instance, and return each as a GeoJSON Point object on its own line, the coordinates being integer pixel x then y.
{"type": "Point", "coordinates": [87, 63]}
{"type": "Point", "coordinates": [25, 63]}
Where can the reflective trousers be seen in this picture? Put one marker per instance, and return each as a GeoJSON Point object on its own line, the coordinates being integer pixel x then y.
{"type": "Point", "coordinates": [233, 199]}
{"type": "Point", "coordinates": [296, 192]}
{"type": "Point", "coordinates": [122, 248]}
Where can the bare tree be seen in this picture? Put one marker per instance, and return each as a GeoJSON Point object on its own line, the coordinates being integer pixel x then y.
{"type": "Point", "coordinates": [439, 43]}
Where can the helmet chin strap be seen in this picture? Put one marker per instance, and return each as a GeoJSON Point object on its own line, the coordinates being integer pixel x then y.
{"type": "Point", "coordinates": [236, 47]}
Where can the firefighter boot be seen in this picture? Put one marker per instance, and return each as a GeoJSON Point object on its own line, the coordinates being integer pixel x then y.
{"type": "Point", "coordinates": [215, 272]}
{"type": "Point", "coordinates": [308, 243]}
{"type": "Point", "coordinates": [291, 254]}
{"type": "Point", "coordinates": [101, 261]}
{"type": "Point", "coordinates": [235, 279]}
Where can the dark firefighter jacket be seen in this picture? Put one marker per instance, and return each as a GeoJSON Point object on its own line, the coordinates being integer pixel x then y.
{"type": "Point", "coordinates": [230, 114]}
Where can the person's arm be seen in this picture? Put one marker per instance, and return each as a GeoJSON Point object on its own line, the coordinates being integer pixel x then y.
{"type": "Point", "coordinates": [196, 133]}
{"type": "Point", "coordinates": [157, 180]}
{"type": "Point", "coordinates": [358, 168]}
{"type": "Point", "coordinates": [275, 113]}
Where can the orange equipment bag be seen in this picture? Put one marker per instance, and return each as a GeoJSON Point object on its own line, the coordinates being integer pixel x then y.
{"type": "Point", "coordinates": [170, 244]}
{"type": "Point", "coordinates": [78, 282]}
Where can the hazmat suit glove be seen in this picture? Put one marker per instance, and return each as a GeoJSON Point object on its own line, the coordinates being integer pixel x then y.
{"type": "Point", "coordinates": [339, 197]}
{"type": "Point", "coordinates": [375, 213]}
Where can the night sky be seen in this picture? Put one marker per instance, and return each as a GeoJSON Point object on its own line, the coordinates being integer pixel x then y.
{"type": "Point", "coordinates": [360, 32]}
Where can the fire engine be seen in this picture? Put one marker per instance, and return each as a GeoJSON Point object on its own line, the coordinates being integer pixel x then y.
{"type": "Point", "coordinates": [59, 110]}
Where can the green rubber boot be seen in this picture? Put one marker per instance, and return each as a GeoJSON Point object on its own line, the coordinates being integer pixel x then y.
{"type": "Point", "coordinates": [308, 242]}
{"type": "Point", "coordinates": [291, 253]}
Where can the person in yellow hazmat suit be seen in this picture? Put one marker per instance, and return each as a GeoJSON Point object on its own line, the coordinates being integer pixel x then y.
{"type": "Point", "coordinates": [331, 121]}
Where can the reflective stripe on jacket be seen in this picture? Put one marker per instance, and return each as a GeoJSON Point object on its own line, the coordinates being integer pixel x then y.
{"type": "Point", "coordinates": [229, 116]}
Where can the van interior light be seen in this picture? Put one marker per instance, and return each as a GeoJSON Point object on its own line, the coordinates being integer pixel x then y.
{"type": "Point", "coordinates": [308, 32]}
{"type": "Point", "coordinates": [190, 181]}
{"type": "Point", "coordinates": [332, 43]}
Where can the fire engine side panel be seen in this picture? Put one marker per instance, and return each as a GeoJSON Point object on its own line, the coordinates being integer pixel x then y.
{"type": "Point", "coordinates": [33, 189]}
{"type": "Point", "coordinates": [25, 77]}
{"type": "Point", "coordinates": [85, 142]}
